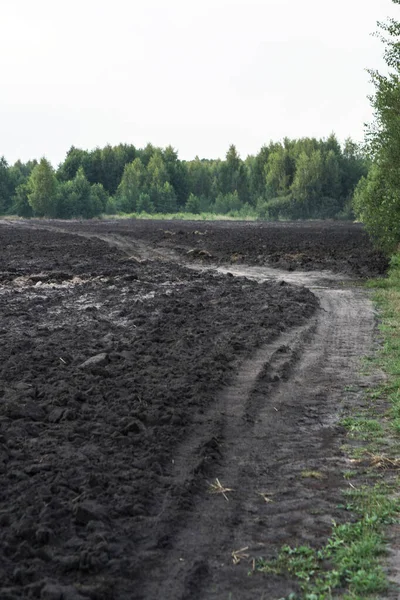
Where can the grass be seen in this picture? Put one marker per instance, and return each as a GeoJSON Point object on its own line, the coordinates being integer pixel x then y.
{"type": "Point", "coordinates": [351, 564]}
{"type": "Point", "coordinates": [362, 428]}
{"type": "Point", "coordinates": [217, 488]}
{"type": "Point", "coordinates": [312, 475]}
{"type": "Point", "coordinates": [387, 294]}
{"type": "Point", "coordinates": [179, 216]}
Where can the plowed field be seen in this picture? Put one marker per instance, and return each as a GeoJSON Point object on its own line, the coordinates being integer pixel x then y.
{"type": "Point", "coordinates": [141, 363]}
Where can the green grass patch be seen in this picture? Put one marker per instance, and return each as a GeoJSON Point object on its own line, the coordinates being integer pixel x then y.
{"type": "Point", "coordinates": [363, 428]}
{"type": "Point", "coordinates": [387, 296]}
{"type": "Point", "coordinates": [350, 562]}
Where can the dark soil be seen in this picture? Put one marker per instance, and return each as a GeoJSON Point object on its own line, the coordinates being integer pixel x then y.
{"type": "Point", "coordinates": [342, 247]}
{"type": "Point", "coordinates": [113, 370]}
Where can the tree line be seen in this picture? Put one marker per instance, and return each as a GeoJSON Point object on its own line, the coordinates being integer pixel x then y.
{"type": "Point", "coordinates": [303, 178]}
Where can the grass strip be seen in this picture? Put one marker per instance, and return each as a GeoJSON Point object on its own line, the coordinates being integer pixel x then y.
{"type": "Point", "coordinates": [182, 216]}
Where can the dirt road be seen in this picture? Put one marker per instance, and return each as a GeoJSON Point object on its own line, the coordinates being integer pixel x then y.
{"type": "Point", "coordinates": [278, 422]}
{"type": "Point", "coordinates": [203, 372]}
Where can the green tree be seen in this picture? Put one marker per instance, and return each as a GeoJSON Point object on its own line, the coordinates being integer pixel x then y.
{"type": "Point", "coordinates": [278, 173]}
{"type": "Point", "coordinates": [21, 204]}
{"type": "Point", "coordinates": [6, 186]}
{"type": "Point", "coordinates": [144, 204]}
{"type": "Point", "coordinates": [167, 199]}
{"type": "Point", "coordinates": [81, 190]}
{"type": "Point", "coordinates": [146, 154]}
{"type": "Point", "coordinates": [111, 169]}
{"type": "Point", "coordinates": [331, 177]}
{"type": "Point", "coordinates": [355, 164]}
{"type": "Point", "coordinates": [256, 169]}
{"type": "Point", "coordinates": [157, 177]}
{"type": "Point", "coordinates": [233, 175]}
{"type": "Point", "coordinates": [200, 177]}
{"type": "Point", "coordinates": [307, 183]}
{"type": "Point", "coordinates": [75, 159]}
{"type": "Point", "coordinates": [377, 205]}
{"type": "Point", "coordinates": [42, 185]}
{"type": "Point", "coordinates": [66, 200]}
{"type": "Point", "coordinates": [133, 183]}
{"type": "Point", "coordinates": [20, 172]}
{"type": "Point", "coordinates": [193, 205]}
{"type": "Point", "coordinates": [377, 198]}
{"type": "Point", "coordinates": [227, 203]}
{"type": "Point", "coordinates": [177, 175]}
{"type": "Point", "coordinates": [77, 198]}
{"type": "Point", "coordinates": [99, 198]}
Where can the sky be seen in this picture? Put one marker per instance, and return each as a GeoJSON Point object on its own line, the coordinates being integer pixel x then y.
{"type": "Point", "coordinates": [196, 74]}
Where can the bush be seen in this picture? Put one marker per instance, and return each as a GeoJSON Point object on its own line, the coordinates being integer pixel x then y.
{"type": "Point", "coordinates": [281, 208]}
{"type": "Point", "coordinates": [144, 204]}
{"type": "Point", "coordinates": [111, 207]}
{"type": "Point", "coordinates": [21, 204]}
{"type": "Point", "coordinates": [193, 205]}
{"type": "Point", "coordinates": [225, 203]}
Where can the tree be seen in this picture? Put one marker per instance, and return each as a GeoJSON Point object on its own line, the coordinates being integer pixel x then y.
{"type": "Point", "coordinates": [66, 200]}
{"type": "Point", "coordinates": [20, 201]}
{"type": "Point", "coordinates": [77, 198]}
{"type": "Point", "coordinates": [233, 175]}
{"type": "Point", "coordinates": [377, 205]}
{"type": "Point", "coordinates": [75, 158]}
{"type": "Point", "coordinates": [377, 198]}
{"type": "Point", "coordinates": [133, 183]}
{"type": "Point", "coordinates": [99, 199]}
{"type": "Point", "coordinates": [278, 173]}
{"type": "Point", "coordinates": [144, 204]}
{"type": "Point", "coordinates": [6, 186]}
{"type": "Point", "coordinates": [193, 205]}
{"type": "Point", "coordinates": [20, 172]}
{"type": "Point", "coordinates": [256, 169]}
{"type": "Point", "coordinates": [331, 176]}
{"type": "Point", "coordinates": [307, 183]}
{"type": "Point", "coordinates": [42, 186]}
{"type": "Point", "coordinates": [157, 177]}
{"type": "Point", "coordinates": [227, 203]}
{"type": "Point", "coordinates": [112, 169]}
{"type": "Point", "coordinates": [81, 189]}
{"type": "Point", "coordinates": [200, 177]}
{"type": "Point", "coordinates": [177, 175]}
{"type": "Point", "coordinates": [355, 164]}
{"type": "Point", "coordinates": [166, 199]}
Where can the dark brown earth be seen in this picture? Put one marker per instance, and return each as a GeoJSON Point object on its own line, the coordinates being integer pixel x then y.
{"type": "Point", "coordinates": [133, 375]}
{"type": "Point", "coordinates": [339, 246]}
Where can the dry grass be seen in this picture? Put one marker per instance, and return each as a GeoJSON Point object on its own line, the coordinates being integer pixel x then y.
{"type": "Point", "coordinates": [312, 475]}
{"type": "Point", "coordinates": [380, 461]}
{"type": "Point", "coordinates": [218, 488]}
{"type": "Point", "coordinates": [238, 555]}
{"type": "Point", "coordinates": [266, 497]}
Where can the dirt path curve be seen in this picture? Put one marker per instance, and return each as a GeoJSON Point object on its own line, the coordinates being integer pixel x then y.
{"type": "Point", "coordinates": [276, 424]}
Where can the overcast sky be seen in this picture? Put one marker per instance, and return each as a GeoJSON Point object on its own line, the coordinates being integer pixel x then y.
{"type": "Point", "coordinates": [197, 74]}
